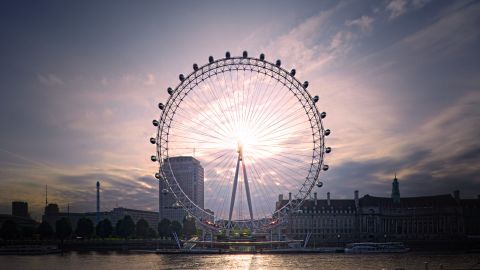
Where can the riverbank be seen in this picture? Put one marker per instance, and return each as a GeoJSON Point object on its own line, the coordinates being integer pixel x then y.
{"type": "Point", "coordinates": [167, 246]}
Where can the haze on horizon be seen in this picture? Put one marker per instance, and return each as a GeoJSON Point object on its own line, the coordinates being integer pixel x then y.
{"type": "Point", "coordinates": [80, 83]}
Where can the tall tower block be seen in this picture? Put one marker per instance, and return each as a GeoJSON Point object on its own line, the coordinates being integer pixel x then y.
{"type": "Point", "coordinates": [98, 202]}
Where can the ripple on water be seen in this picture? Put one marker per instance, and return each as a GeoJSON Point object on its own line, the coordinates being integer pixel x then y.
{"type": "Point", "coordinates": [123, 261]}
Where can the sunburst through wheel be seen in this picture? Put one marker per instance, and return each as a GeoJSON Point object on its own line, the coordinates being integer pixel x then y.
{"type": "Point", "coordinates": [257, 132]}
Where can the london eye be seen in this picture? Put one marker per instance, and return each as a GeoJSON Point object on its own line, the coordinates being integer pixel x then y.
{"type": "Point", "coordinates": [257, 133]}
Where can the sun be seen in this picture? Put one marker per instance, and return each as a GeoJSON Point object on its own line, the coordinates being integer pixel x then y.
{"type": "Point", "coordinates": [246, 138]}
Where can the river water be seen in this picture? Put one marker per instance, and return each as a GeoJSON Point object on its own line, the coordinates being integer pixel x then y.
{"type": "Point", "coordinates": [123, 261]}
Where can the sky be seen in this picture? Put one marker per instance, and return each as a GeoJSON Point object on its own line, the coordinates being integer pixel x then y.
{"type": "Point", "coordinates": [80, 82]}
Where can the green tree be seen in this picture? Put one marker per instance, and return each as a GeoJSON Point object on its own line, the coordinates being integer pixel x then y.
{"type": "Point", "coordinates": [176, 227]}
{"type": "Point", "coordinates": [63, 229]}
{"type": "Point", "coordinates": [84, 228]}
{"type": "Point", "coordinates": [45, 230]}
{"type": "Point", "coordinates": [9, 230]}
{"type": "Point", "coordinates": [189, 227]}
{"type": "Point", "coordinates": [126, 228]}
{"type": "Point", "coordinates": [118, 227]}
{"type": "Point", "coordinates": [141, 228]}
{"type": "Point", "coordinates": [151, 233]}
{"type": "Point", "coordinates": [104, 228]}
{"type": "Point", "coordinates": [164, 228]}
{"type": "Point", "coordinates": [27, 232]}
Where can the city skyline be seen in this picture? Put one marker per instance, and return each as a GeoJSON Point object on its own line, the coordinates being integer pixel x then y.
{"type": "Point", "coordinates": [399, 80]}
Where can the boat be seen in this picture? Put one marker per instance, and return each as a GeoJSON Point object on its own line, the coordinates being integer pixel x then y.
{"type": "Point", "coordinates": [371, 247]}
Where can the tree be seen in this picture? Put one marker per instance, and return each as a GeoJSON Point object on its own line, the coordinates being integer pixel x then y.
{"type": "Point", "coordinates": [189, 227]}
{"type": "Point", "coordinates": [151, 233]}
{"type": "Point", "coordinates": [84, 228]}
{"type": "Point", "coordinates": [63, 228]}
{"type": "Point", "coordinates": [176, 227]}
{"type": "Point", "coordinates": [164, 228]}
{"type": "Point", "coordinates": [141, 228]}
{"type": "Point", "coordinates": [27, 232]}
{"type": "Point", "coordinates": [118, 227]}
{"type": "Point", "coordinates": [9, 230]}
{"type": "Point", "coordinates": [125, 227]}
{"type": "Point", "coordinates": [45, 230]}
{"type": "Point", "coordinates": [104, 228]}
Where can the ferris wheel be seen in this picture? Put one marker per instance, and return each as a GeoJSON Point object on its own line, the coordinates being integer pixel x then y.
{"type": "Point", "coordinates": [257, 133]}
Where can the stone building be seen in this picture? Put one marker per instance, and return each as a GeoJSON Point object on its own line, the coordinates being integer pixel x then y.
{"type": "Point", "coordinates": [326, 220]}
{"type": "Point", "coordinates": [371, 218]}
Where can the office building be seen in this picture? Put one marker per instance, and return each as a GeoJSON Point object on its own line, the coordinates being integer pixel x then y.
{"type": "Point", "coordinates": [189, 174]}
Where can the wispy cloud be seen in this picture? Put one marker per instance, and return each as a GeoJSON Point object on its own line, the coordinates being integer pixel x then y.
{"type": "Point", "coordinates": [150, 80]}
{"type": "Point", "coordinates": [50, 79]}
{"type": "Point", "coordinates": [396, 8]}
{"type": "Point", "coordinates": [403, 99]}
{"type": "Point", "coordinates": [365, 23]}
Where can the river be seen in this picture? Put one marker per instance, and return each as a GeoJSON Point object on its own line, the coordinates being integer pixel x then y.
{"type": "Point", "coordinates": [123, 261]}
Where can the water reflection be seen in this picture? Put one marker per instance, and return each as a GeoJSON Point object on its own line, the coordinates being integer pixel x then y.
{"type": "Point", "coordinates": [121, 261]}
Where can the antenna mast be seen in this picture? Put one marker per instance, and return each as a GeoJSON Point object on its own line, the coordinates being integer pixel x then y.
{"type": "Point", "coordinates": [46, 195]}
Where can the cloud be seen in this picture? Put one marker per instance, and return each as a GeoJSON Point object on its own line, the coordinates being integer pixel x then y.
{"type": "Point", "coordinates": [50, 79]}
{"type": "Point", "coordinates": [314, 43]}
{"type": "Point", "coordinates": [420, 3]}
{"type": "Point", "coordinates": [396, 8]}
{"type": "Point", "coordinates": [104, 81]}
{"type": "Point", "coordinates": [150, 80]}
{"type": "Point", "coordinates": [364, 23]}
{"type": "Point", "coordinates": [448, 34]}
{"type": "Point", "coordinates": [383, 118]}
{"type": "Point", "coordinates": [443, 151]}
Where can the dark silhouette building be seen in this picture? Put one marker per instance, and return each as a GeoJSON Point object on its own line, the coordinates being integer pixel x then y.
{"type": "Point", "coordinates": [20, 216]}
{"type": "Point", "coordinates": [20, 209]}
{"type": "Point", "coordinates": [52, 215]}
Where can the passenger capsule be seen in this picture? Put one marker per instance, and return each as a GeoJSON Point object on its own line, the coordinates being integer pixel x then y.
{"type": "Point", "coordinates": [155, 123]}
{"type": "Point", "coordinates": [153, 141]}
{"type": "Point", "coordinates": [164, 191]}
{"type": "Point", "coordinates": [245, 54]}
{"type": "Point", "coordinates": [328, 150]}
{"type": "Point", "coordinates": [153, 158]}
{"type": "Point", "coordinates": [325, 167]}
{"type": "Point", "coordinates": [320, 184]}
{"type": "Point", "coordinates": [278, 63]}
{"type": "Point", "coordinates": [293, 72]}
{"type": "Point", "coordinates": [210, 59]}
{"type": "Point", "coordinates": [161, 106]}
{"type": "Point", "coordinates": [262, 57]}
{"type": "Point", "coordinates": [323, 115]}
{"type": "Point", "coordinates": [170, 91]}
{"type": "Point", "coordinates": [181, 77]}
{"type": "Point", "coordinates": [195, 67]}
{"type": "Point", "coordinates": [315, 99]}
{"type": "Point", "coordinates": [305, 84]}
{"type": "Point", "coordinates": [227, 55]}
{"type": "Point", "coordinates": [157, 175]}
{"type": "Point", "coordinates": [327, 132]}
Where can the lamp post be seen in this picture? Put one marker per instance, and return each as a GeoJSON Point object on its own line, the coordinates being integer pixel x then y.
{"type": "Point", "coordinates": [338, 239]}
{"type": "Point", "coordinates": [385, 238]}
